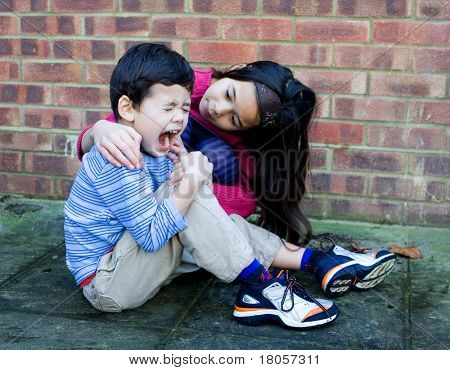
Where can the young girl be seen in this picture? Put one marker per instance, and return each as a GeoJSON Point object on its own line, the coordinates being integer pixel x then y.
{"type": "Point", "coordinates": [252, 122]}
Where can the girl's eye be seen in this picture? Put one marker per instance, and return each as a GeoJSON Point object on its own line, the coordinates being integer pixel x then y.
{"type": "Point", "coordinates": [233, 120]}
{"type": "Point", "coordinates": [167, 109]}
{"type": "Point", "coordinates": [228, 95]}
{"type": "Point", "coordinates": [186, 109]}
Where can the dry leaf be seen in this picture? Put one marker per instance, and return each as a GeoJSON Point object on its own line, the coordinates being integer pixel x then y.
{"type": "Point", "coordinates": [410, 251]}
{"type": "Point", "coordinates": [359, 248]}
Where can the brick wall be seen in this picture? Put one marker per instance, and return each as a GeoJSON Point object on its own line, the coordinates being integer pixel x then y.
{"type": "Point", "coordinates": [381, 140]}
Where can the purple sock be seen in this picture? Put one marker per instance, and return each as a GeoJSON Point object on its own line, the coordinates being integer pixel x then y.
{"type": "Point", "coordinates": [304, 264]}
{"type": "Point", "coordinates": [254, 273]}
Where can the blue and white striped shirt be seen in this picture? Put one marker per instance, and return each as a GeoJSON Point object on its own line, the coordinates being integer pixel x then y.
{"type": "Point", "coordinates": [105, 200]}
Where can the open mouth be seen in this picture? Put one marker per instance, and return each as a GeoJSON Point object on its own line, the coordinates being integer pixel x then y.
{"type": "Point", "coordinates": [166, 139]}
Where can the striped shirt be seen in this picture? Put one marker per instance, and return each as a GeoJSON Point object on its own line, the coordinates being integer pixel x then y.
{"type": "Point", "coordinates": [105, 200]}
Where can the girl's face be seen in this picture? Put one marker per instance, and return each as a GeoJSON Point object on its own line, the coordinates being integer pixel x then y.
{"type": "Point", "coordinates": [231, 104]}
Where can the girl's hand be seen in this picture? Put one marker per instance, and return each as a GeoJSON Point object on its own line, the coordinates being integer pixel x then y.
{"type": "Point", "coordinates": [119, 144]}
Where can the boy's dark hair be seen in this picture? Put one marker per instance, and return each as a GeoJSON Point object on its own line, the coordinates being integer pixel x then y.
{"type": "Point", "coordinates": [144, 65]}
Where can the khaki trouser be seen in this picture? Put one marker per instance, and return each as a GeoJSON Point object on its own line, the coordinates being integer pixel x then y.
{"type": "Point", "coordinates": [224, 245]}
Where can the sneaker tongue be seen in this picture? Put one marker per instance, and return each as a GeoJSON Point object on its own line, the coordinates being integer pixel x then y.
{"type": "Point", "coordinates": [301, 292]}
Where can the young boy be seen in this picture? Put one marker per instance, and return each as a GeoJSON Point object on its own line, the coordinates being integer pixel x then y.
{"type": "Point", "coordinates": [126, 230]}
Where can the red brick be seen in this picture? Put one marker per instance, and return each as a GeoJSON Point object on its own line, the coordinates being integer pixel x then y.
{"type": "Point", "coordinates": [52, 72]}
{"type": "Point", "coordinates": [224, 7]}
{"type": "Point", "coordinates": [99, 73]}
{"type": "Point", "coordinates": [406, 188]}
{"type": "Point", "coordinates": [38, 94]}
{"type": "Point", "coordinates": [25, 94]}
{"type": "Point", "coordinates": [223, 52]}
{"type": "Point", "coordinates": [326, 30]}
{"type": "Point", "coordinates": [11, 93]}
{"type": "Point", "coordinates": [131, 26]}
{"type": "Point", "coordinates": [336, 133]}
{"type": "Point", "coordinates": [369, 161]}
{"type": "Point", "coordinates": [7, 47]}
{"type": "Point", "coordinates": [154, 6]}
{"type": "Point", "coordinates": [318, 158]}
{"type": "Point", "coordinates": [51, 164]}
{"type": "Point", "coordinates": [424, 164]}
{"type": "Point", "coordinates": [337, 183]}
{"type": "Point", "coordinates": [177, 46]}
{"type": "Point", "coordinates": [83, 6]}
{"type": "Point", "coordinates": [374, 8]}
{"type": "Point", "coordinates": [365, 210]}
{"type": "Point", "coordinates": [185, 27]}
{"type": "Point", "coordinates": [334, 81]}
{"type": "Point", "coordinates": [53, 118]}
{"type": "Point", "coordinates": [436, 215]}
{"type": "Point", "coordinates": [84, 49]}
{"type": "Point", "coordinates": [8, 25]}
{"type": "Point", "coordinates": [24, 184]}
{"type": "Point", "coordinates": [51, 25]}
{"type": "Point", "coordinates": [103, 49]}
{"type": "Point", "coordinates": [431, 60]}
{"type": "Point", "coordinates": [81, 96]}
{"type": "Point", "coordinates": [298, 55]}
{"type": "Point", "coordinates": [404, 137]}
{"type": "Point", "coordinates": [435, 191]}
{"type": "Point", "coordinates": [10, 161]}
{"type": "Point", "coordinates": [435, 112]}
{"type": "Point", "coordinates": [9, 70]}
{"type": "Point", "coordinates": [257, 29]}
{"type": "Point", "coordinates": [63, 188]}
{"type": "Point", "coordinates": [373, 57]}
{"type": "Point", "coordinates": [413, 213]}
{"type": "Point", "coordinates": [25, 141]}
{"type": "Point", "coordinates": [416, 33]}
{"type": "Point", "coordinates": [322, 109]}
{"type": "Point", "coordinates": [369, 109]}
{"type": "Point", "coordinates": [435, 9]}
{"type": "Point", "coordinates": [72, 49]}
{"type": "Point", "coordinates": [408, 85]}
{"type": "Point", "coordinates": [9, 116]}
{"type": "Point", "coordinates": [313, 206]}
{"type": "Point", "coordinates": [66, 144]}
{"type": "Point", "coordinates": [36, 48]}
{"type": "Point", "coordinates": [298, 7]}
{"type": "Point", "coordinates": [23, 5]}
{"type": "Point", "coordinates": [93, 116]}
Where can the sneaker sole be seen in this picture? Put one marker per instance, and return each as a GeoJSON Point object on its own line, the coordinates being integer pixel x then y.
{"type": "Point", "coordinates": [261, 317]}
{"type": "Point", "coordinates": [340, 281]}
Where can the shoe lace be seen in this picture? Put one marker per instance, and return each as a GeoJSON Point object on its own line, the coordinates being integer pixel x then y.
{"type": "Point", "coordinates": [294, 287]}
{"type": "Point", "coordinates": [325, 239]}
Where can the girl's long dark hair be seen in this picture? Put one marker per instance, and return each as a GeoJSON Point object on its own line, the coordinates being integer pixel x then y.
{"type": "Point", "coordinates": [281, 154]}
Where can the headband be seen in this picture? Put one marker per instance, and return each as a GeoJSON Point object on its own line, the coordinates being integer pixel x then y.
{"type": "Point", "coordinates": [269, 105]}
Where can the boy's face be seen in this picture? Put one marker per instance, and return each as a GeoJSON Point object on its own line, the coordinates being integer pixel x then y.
{"type": "Point", "coordinates": [162, 117]}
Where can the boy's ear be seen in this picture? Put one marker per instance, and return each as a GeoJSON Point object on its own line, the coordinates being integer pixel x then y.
{"type": "Point", "coordinates": [126, 109]}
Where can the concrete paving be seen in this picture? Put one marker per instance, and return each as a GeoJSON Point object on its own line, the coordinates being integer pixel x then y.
{"type": "Point", "coordinates": [42, 308]}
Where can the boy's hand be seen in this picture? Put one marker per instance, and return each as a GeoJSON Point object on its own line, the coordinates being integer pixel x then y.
{"type": "Point", "coordinates": [197, 168]}
{"type": "Point", "coordinates": [177, 173]}
{"type": "Point", "coordinates": [177, 150]}
{"type": "Point", "coordinates": [119, 144]}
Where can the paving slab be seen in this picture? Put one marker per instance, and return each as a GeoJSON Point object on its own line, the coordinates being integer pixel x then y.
{"type": "Point", "coordinates": [41, 307]}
